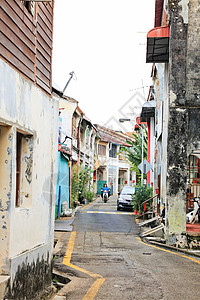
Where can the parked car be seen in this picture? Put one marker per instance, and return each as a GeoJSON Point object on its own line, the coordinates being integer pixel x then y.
{"type": "Point", "coordinates": [125, 198]}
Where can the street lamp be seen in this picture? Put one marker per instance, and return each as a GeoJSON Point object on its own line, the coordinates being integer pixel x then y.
{"type": "Point", "coordinates": [129, 120]}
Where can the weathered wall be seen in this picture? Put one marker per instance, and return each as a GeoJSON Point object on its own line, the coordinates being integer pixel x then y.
{"type": "Point", "coordinates": [67, 109]}
{"type": "Point", "coordinates": [6, 141]}
{"type": "Point", "coordinates": [31, 271]}
{"type": "Point", "coordinates": [26, 39]}
{"type": "Point", "coordinates": [184, 105]}
{"type": "Point", "coordinates": [25, 108]}
{"type": "Point", "coordinates": [193, 75]}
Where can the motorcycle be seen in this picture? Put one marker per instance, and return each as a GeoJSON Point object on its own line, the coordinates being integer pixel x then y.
{"type": "Point", "coordinates": [194, 215]}
{"type": "Point", "coordinates": [105, 196]}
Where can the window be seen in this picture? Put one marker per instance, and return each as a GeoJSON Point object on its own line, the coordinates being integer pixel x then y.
{"type": "Point", "coordinates": [82, 135]}
{"type": "Point", "coordinates": [102, 150]}
{"type": "Point", "coordinates": [87, 136]}
{"type": "Point", "coordinates": [128, 191]}
{"type": "Point", "coordinates": [24, 164]}
{"type": "Point", "coordinates": [113, 151]}
{"type": "Point", "coordinates": [91, 142]}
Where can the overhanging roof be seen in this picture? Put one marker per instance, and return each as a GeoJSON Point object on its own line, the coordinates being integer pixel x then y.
{"type": "Point", "coordinates": [158, 45]}
{"type": "Point", "coordinates": [148, 110]}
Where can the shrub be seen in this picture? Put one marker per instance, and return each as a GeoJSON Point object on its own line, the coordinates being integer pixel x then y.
{"type": "Point", "coordinates": [89, 195]}
{"type": "Point", "coordinates": [80, 185]}
{"type": "Point", "coordinates": [74, 188]}
{"type": "Point", "coordinates": [142, 193]}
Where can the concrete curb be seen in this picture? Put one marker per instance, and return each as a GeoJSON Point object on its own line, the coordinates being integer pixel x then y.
{"type": "Point", "coordinates": [85, 205]}
{"type": "Point", "coordinates": [82, 207]}
{"type": "Point", "coordinates": [172, 248]}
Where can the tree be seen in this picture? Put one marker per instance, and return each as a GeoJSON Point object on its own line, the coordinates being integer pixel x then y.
{"type": "Point", "coordinates": [134, 152]}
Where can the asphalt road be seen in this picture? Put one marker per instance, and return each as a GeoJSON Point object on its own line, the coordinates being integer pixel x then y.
{"type": "Point", "coordinates": [105, 260]}
{"type": "Point", "coordinates": [99, 218]}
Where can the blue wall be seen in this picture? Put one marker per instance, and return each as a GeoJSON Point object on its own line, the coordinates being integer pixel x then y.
{"type": "Point", "coordinates": [62, 181]}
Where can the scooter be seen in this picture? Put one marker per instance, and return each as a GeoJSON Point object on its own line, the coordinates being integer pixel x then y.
{"type": "Point", "coordinates": [194, 215]}
{"type": "Point", "coordinates": [105, 196]}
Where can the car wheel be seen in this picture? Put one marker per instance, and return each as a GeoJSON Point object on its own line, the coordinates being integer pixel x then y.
{"type": "Point", "coordinates": [118, 208]}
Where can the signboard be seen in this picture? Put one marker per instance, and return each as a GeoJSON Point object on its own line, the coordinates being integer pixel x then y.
{"type": "Point", "coordinates": [145, 167]}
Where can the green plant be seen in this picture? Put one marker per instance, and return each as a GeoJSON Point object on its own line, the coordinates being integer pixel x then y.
{"type": "Point", "coordinates": [74, 187]}
{"type": "Point", "coordinates": [81, 184]}
{"type": "Point", "coordinates": [89, 195]}
{"type": "Point", "coordinates": [142, 193]}
{"type": "Point", "coordinates": [84, 178]}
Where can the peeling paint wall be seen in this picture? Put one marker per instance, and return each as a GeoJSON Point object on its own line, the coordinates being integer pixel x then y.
{"type": "Point", "coordinates": [26, 166]}
{"type": "Point", "coordinates": [28, 110]}
{"type": "Point", "coordinates": [6, 142]}
{"type": "Point", "coordinates": [184, 107]}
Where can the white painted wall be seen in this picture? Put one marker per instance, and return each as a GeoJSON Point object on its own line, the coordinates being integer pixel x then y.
{"type": "Point", "coordinates": [164, 139]}
{"type": "Point", "coordinates": [27, 108]}
{"type": "Point", "coordinates": [67, 109]}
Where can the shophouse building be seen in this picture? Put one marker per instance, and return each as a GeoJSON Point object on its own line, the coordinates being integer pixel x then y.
{"type": "Point", "coordinates": [173, 109]}
{"type": "Point", "coordinates": [113, 168]}
{"type": "Point", "coordinates": [28, 149]}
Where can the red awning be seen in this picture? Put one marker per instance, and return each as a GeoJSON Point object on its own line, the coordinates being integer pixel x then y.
{"type": "Point", "coordinates": [163, 31]}
{"type": "Point", "coordinates": [158, 45]}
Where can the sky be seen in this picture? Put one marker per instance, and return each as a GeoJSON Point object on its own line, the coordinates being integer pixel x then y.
{"type": "Point", "coordinates": [104, 43]}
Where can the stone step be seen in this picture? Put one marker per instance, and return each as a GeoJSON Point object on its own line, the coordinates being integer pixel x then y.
{"type": "Point", "coordinates": [153, 230]}
{"type": "Point", "coordinates": [149, 221]}
{"type": "Point", "coordinates": [3, 285]}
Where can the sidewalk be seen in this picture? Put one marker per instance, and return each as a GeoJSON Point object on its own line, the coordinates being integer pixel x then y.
{"type": "Point", "coordinates": [64, 224]}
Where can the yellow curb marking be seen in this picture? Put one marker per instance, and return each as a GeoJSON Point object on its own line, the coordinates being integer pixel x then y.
{"type": "Point", "coordinates": [89, 204]}
{"type": "Point", "coordinates": [181, 255]}
{"type": "Point", "coordinates": [70, 248]}
{"type": "Point", "coordinates": [91, 293]}
{"type": "Point", "coordinates": [106, 212]}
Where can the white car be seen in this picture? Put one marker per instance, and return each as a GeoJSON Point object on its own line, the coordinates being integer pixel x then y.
{"type": "Point", "coordinates": [125, 198]}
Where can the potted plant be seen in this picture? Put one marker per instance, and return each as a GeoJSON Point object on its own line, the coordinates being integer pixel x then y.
{"type": "Point", "coordinates": [89, 195]}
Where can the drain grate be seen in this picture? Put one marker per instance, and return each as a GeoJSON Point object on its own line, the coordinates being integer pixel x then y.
{"type": "Point", "coordinates": [59, 281]}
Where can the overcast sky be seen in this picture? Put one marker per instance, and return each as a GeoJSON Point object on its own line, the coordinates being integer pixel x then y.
{"type": "Point", "coordinates": [104, 43]}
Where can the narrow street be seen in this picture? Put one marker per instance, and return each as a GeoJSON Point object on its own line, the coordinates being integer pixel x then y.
{"type": "Point", "coordinates": [105, 259]}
